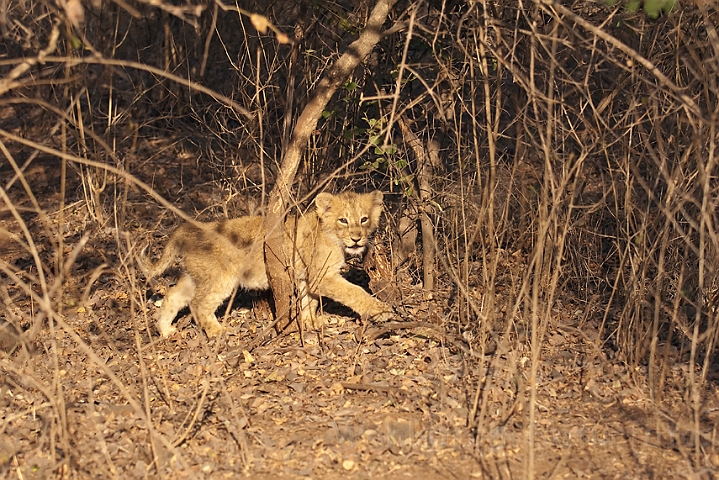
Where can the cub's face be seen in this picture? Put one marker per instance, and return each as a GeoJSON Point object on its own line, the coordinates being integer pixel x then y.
{"type": "Point", "coordinates": [350, 217]}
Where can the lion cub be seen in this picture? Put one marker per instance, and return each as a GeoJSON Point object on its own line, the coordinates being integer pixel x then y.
{"type": "Point", "coordinates": [219, 256]}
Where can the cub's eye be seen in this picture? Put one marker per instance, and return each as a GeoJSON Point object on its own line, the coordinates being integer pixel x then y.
{"type": "Point", "coordinates": [364, 220]}
{"type": "Point", "coordinates": [343, 221]}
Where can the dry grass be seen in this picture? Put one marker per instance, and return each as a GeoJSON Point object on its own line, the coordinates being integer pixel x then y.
{"type": "Point", "coordinates": [551, 159]}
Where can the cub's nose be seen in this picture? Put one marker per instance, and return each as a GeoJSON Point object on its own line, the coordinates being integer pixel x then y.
{"type": "Point", "coordinates": [356, 238]}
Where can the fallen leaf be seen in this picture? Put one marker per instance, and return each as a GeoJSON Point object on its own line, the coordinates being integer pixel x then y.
{"type": "Point", "coordinates": [248, 356]}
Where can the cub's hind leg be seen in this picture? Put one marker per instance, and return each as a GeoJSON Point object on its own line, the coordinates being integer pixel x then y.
{"type": "Point", "coordinates": [177, 298]}
{"type": "Point", "coordinates": [206, 302]}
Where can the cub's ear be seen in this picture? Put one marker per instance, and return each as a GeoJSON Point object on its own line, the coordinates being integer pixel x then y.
{"type": "Point", "coordinates": [375, 206]}
{"type": "Point", "coordinates": [323, 202]}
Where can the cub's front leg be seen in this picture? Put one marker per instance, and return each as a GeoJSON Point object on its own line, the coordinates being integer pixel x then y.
{"type": "Point", "coordinates": [309, 306]}
{"type": "Point", "coordinates": [355, 297]}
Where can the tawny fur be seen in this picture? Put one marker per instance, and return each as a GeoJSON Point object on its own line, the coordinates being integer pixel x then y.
{"type": "Point", "coordinates": [218, 257]}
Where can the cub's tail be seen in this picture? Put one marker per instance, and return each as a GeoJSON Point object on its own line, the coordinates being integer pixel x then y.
{"type": "Point", "coordinates": [172, 250]}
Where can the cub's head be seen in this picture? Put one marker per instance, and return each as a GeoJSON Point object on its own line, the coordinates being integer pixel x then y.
{"type": "Point", "coordinates": [350, 217]}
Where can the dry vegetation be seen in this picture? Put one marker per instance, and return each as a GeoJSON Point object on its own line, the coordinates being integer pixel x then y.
{"type": "Point", "coordinates": [550, 241]}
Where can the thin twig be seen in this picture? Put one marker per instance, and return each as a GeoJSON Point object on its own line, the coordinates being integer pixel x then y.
{"type": "Point", "coordinates": [181, 438]}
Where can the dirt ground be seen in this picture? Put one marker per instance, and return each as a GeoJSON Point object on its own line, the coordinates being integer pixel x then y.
{"type": "Point", "coordinates": [97, 394]}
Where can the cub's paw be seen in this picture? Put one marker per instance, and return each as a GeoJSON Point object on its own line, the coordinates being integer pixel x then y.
{"type": "Point", "coordinates": [166, 330]}
{"type": "Point", "coordinates": [314, 323]}
{"type": "Point", "coordinates": [381, 314]}
{"type": "Point", "coordinates": [382, 317]}
{"type": "Point", "coordinates": [213, 330]}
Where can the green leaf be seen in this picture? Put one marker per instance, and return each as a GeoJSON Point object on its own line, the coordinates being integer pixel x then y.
{"type": "Point", "coordinates": [347, 26]}
{"type": "Point", "coordinates": [354, 132]}
{"type": "Point", "coordinates": [400, 164]}
{"type": "Point", "coordinates": [654, 7]}
{"type": "Point", "coordinates": [651, 8]}
{"type": "Point", "coordinates": [633, 5]}
{"type": "Point", "coordinates": [75, 42]}
{"type": "Point", "coordinates": [327, 114]}
{"type": "Point", "coordinates": [350, 86]}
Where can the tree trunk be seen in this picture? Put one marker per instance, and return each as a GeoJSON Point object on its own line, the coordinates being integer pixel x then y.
{"type": "Point", "coordinates": [277, 265]}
